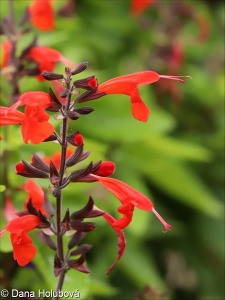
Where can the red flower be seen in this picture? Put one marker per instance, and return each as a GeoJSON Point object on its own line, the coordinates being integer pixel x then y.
{"type": "Point", "coordinates": [32, 119]}
{"type": "Point", "coordinates": [5, 53]}
{"type": "Point", "coordinates": [42, 14]}
{"type": "Point", "coordinates": [121, 240]}
{"type": "Point", "coordinates": [36, 98]}
{"type": "Point", "coordinates": [23, 249]}
{"type": "Point", "coordinates": [128, 85]}
{"type": "Point", "coordinates": [138, 6]}
{"type": "Point", "coordinates": [36, 195]}
{"type": "Point", "coordinates": [47, 59]}
{"type": "Point", "coordinates": [130, 198]}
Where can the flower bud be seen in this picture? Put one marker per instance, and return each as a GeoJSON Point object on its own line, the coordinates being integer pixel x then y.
{"type": "Point", "coordinates": [51, 76]}
{"type": "Point", "coordinates": [105, 169]}
{"type": "Point", "coordinates": [80, 68]}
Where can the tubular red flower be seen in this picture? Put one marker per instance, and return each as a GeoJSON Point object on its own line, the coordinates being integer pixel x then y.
{"type": "Point", "coordinates": [130, 198]}
{"type": "Point", "coordinates": [36, 98]}
{"type": "Point", "coordinates": [36, 195]}
{"type": "Point", "coordinates": [42, 14]}
{"type": "Point", "coordinates": [25, 223]}
{"type": "Point", "coordinates": [34, 117]}
{"type": "Point", "coordinates": [47, 59]}
{"type": "Point", "coordinates": [128, 85]}
{"type": "Point", "coordinates": [23, 249]}
{"type": "Point", "coordinates": [125, 193]}
{"type": "Point", "coordinates": [9, 116]}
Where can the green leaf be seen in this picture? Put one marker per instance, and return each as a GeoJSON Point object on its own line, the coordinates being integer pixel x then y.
{"type": "Point", "coordinates": [175, 178]}
{"type": "Point", "coordinates": [178, 149]}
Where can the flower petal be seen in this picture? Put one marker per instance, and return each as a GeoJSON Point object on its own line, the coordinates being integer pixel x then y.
{"type": "Point", "coordinates": [125, 193]}
{"type": "Point", "coordinates": [42, 15]}
{"type": "Point", "coordinates": [42, 130]}
{"type": "Point", "coordinates": [37, 98]}
{"type": "Point", "coordinates": [121, 241]}
{"type": "Point", "coordinates": [25, 223]}
{"type": "Point", "coordinates": [23, 249]}
{"type": "Point", "coordinates": [36, 194]}
{"type": "Point", "coordinates": [9, 116]}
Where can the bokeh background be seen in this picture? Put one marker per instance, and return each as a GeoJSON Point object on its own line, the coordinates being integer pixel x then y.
{"type": "Point", "coordinates": [176, 158]}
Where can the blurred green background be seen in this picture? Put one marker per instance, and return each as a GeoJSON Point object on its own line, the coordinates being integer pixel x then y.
{"type": "Point", "coordinates": [176, 158]}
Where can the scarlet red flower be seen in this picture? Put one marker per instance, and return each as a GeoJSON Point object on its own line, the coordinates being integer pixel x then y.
{"type": "Point", "coordinates": [47, 59]}
{"type": "Point", "coordinates": [138, 6]}
{"type": "Point", "coordinates": [34, 98]}
{"type": "Point", "coordinates": [128, 85]}
{"type": "Point", "coordinates": [42, 14]}
{"type": "Point", "coordinates": [130, 198]}
{"type": "Point", "coordinates": [23, 250]}
{"type": "Point", "coordinates": [121, 240]}
{"type": "Point", "coordinates": [33, 118]}
{"type": "Point", "coordinates": [36, 195]}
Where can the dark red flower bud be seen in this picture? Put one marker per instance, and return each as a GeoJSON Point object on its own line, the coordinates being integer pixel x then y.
{"type": "Point", "coordinates": [64, 93]}
{"type": "Point", "coordinates": [90, 95]}
{"type": "Point", "coordinates": [81, 214]}
{"type": "Point", "coordinates": [73, 115]}
{"type": "Point", "coordinates": [54, 174]}
{"type": "Point", "coordinates": [51, 138]}
{"type": "Point", "coordinates": [82, 226]}
{"type": "Point", "coordinates": [55, 103]}
{"type": "Point", "coordinates": [82, 249]}
{"type": "Point", "coordinates": [38, 163]}
{"type": "Point", "coordinates": [84, 110]}
{"type": "Point", "coordinates": [88, 83]}
{"type": "Point", "coordinates": [78, 175]}
{"type": "Point", "coordinates": [80, 68]}
{"type": "Point", "coordinates": [51, 76]}
{"type": "Point", "coordinates": [75, 157]}
{"type": "Point", "coordinates": [27, 170]}
{"type": "Point", "coordinates": [76, 238]}
{"type": "Point", "coordinates": [66, 221]}
{"type": "Point", "coordinates": [77, 262]}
